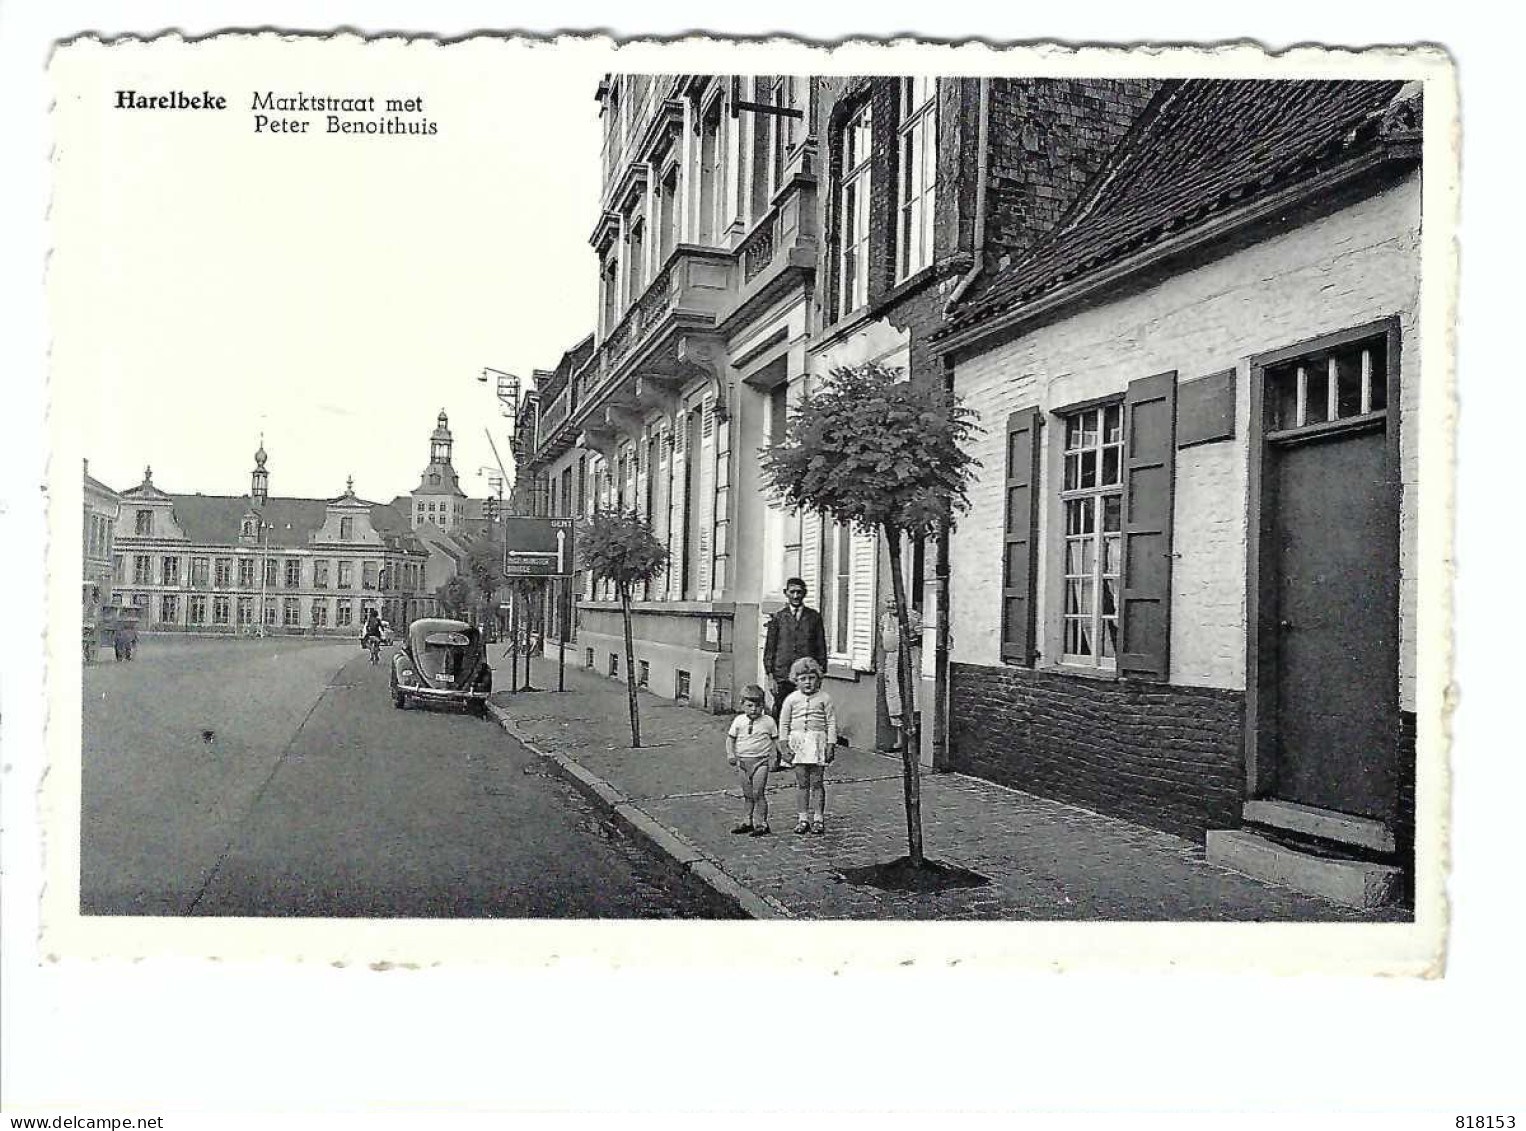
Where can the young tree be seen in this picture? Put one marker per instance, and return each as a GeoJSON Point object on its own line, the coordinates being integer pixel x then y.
{"type": "Point", "coordinates": [453, 597]}
{"type": "Point", "coordinates": [484, 571]}
{"type": "Point", "coordinates": [887, 456]}
{"type": "Point", "coordinates": [622, 549]}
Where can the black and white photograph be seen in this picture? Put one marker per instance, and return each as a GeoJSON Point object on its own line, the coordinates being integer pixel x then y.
{"type": "Point", "coordinates": [570, 557]}
{"type": "Point", "coordinates": [817, 497]}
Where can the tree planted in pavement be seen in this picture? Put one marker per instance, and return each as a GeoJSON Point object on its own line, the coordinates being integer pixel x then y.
{"type": "Point", "coordinates": [620, 548]}
{"type": "Point", "coordinates": [453, 597]}
{"type": "Point", "coordinates": [886, 456]}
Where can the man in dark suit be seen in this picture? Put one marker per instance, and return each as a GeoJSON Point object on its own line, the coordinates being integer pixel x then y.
{"type": "Point", "coordinates": [794, 631]}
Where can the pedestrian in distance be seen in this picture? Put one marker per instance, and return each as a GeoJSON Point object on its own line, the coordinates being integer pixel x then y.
{"type": "Point", "coordinates": [126, 640]}
{"type": "Point", "coordinates": [808, 726]}
{"type": "Point", "coordinates": [752, 747]}
{"type": "Point", "coordinates": [795, 632]}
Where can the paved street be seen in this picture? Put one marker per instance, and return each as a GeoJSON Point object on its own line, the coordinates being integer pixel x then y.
{"type": "Point", "coordinates": [226, 777]}
{"type": "Point", "coordinates": [1044, 860]}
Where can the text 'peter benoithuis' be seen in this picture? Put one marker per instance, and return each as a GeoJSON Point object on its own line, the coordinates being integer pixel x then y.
{"type": "Point", "coordinates": [275, 113]}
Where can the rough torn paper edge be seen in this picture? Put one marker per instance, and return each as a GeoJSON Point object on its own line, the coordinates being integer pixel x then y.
{"type": "Point", "coordinates": [1404, 949]}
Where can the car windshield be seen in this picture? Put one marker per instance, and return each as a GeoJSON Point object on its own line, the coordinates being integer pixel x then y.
{"type": "Point", "coordinates": [442, 659]}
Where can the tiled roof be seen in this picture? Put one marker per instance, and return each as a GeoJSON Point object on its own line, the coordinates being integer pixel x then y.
{"type": "Point", "coordinates": [1204, 147]}
{"type": "Point", "coordinates": [214, 520]}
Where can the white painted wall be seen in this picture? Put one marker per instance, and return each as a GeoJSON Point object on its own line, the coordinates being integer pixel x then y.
{"type": "Point", "coordinates": [1354, 266]}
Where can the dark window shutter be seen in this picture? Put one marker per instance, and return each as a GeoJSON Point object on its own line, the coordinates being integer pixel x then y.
{"type": "Point", "coordinates": [1020, 543]}
{"type": "Point", "coordinates": [1149, 481]}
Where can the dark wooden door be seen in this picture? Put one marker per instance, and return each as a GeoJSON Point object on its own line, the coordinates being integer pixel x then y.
{"type": "Point", "coordinates": [1335, 539]}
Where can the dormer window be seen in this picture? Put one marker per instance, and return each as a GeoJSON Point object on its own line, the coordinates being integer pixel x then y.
{"type": "Point", "coordinates": [143, 524]}
{"type": "Point", "coordinates": [346, 529]}
{"type": "Point", "coordinates": [248, 529]}
{"type": "Point", "coordinates": [434, 479]}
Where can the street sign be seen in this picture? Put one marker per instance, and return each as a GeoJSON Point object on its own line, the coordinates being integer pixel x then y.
{"type": "Point", "coordinates": [538, 547]}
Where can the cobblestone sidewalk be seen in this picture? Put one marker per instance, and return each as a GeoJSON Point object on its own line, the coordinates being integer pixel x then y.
{"type": "Point", "coordinates": [1044, 860]}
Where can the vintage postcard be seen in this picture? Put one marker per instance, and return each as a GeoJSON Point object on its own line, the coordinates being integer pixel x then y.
{"type": "Point", "coordinates": [971, 505]}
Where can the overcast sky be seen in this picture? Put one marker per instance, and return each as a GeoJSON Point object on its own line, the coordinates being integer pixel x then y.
{"type": "Point", "coordinates": [211, 283]}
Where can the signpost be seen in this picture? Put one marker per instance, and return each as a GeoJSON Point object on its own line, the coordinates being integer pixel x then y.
{"type": "Point", "coordinates": [545, 548]}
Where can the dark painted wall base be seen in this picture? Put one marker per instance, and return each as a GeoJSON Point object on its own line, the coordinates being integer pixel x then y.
{"type": "Point", "coordinates": [1165, 756]}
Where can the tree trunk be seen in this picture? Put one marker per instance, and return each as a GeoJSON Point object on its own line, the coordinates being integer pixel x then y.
{"type": "Point", "coordinates": [911, 743]}
{"type": "Point", "coordinates": [630, 665]}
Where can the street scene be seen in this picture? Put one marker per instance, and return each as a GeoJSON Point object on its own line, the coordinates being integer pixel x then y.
{"type": "Point", "coordinates": [274, 777]}
{"type": "Point", "coordinates": [941, 498]}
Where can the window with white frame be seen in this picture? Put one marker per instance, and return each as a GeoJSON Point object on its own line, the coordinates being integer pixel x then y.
{"type": "Point", "coordinates": [245, 610]}
{"type": "Point", "coordinates": [169, 571]}
{"type": "Point", "coordinates": [1091, 496]}
{"type": "Point", "coordinates": [837, 579]}
{"type": "Point", "coordinates": [220, 607]}
{"type": "Point", "coordinates": [346, 529]}
{"type": "Point", "coordinates": [224, 573]}
{"type": "Point", "coordinates": [320, 612]}
{"type": "Point", "coordinates": [169, 609]}
{"type": "Point", "coordinates": [246, 573]}
{"type": "Point", "coordinates": [291, 612]}
{"type": "Point", "coordinates": [142, 569]}
{"type": "Point", "coordinates": [917, 175]}
{"type": "Point", "coordinates": [196, 609]}
{"type": "Point", "coordinates": [635, 251]}
{"type": "Point", "coordinates": [143, 523]}
{"type": "Point", "coordinates": [854, 150]}
{"type": "Point", "coordinates": [293, 573]}
{"type": "Point", "coordinates": [1344, 383]}
{"type": "Point", "coordinates": [344, 613]}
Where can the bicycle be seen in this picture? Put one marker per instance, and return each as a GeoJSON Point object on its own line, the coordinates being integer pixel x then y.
{"type": "Point", "coordinates": [373, 643]}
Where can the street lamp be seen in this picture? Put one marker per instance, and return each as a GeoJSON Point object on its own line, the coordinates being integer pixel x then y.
{"type": "Point", "coordinates": [506, 388]}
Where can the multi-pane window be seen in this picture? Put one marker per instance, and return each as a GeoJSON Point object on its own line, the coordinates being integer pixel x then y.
{"type": "Point", "coordinates": [272, 569]}
{"type": "Point", "coordinates": [346, 575]}
{"type": "Point", "coordinates": [196, 609]}
{"type": "Point", "coordinates": [1344, 383]}
{"type": "Point", "coordinates": [918, 168]}
{"type": "Point", "coordinates": [169, 571]}
{"type": "Point", "coordinates": [853, 213]}
{"type": "Point", "coordinates": [143, 523]}
{"type": "Point", "coordinates": [346, 529]}
{"type": "Point", "coordinates": [320, 612]}
{"type": "Point", "coordinates": [1092, 497]}
{"type": "Point", "coordinates": [837, 574]}
{"type": "Point", "coordinates": [246, 573]}
{"type": "Point", "coordinates": [270, 613]}
{"type": "Point", "coordinates": [223, 575]}
{"type": "Point", "coordinates": [245, 611]}
{"type": "Point", "coordinates": [200, 572]}
{"type": "Point", "coordinates": [293, 573]}
{"type": "Point", "coordinates": [169, 609]}
{"type": "Point", "coordinates": [220, 607]}
{"type": "Point", "coordinates": [343, 613]}
{"type": "Point", "coordinates": [142, 569]}
{"type": "Point", "coordinates": [321, 574]}
{"type": "Point", "coordinates": [785, 128]}
{"type": "Point", "coordinates": [368, 575]}
{"type": "Point", "coordinates": [291, 612]}
{"type": "Point", "coordinates": [118, 569]}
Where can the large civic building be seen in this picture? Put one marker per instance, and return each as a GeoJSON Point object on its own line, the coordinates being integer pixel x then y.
{"type": "Point", "coordinates": [236, 563]}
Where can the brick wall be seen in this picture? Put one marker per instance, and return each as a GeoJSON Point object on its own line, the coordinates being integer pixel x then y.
{"type": "Point", "coordinates": [1048, 138]}
{"type": "Point", "coordinates": [1165, 756]}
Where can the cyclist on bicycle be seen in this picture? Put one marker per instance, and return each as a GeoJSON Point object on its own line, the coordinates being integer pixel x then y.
{"type": "Point", "coordinates": [372, 636]}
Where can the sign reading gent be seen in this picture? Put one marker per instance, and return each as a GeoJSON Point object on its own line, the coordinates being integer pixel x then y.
{"type": "Point", "coordinates": [538, 547]}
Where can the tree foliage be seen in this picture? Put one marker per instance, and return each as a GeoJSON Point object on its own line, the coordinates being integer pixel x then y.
{"type": "Point", "coordinates": [878, 452]}
{"type": "Point", "coordinates": [887, 456]}
{"type": "Point", "coordinates": [454, 597]}
{"type": "Point", "coordinates": [621, 548]}
{"type": "Point", "coordinates": [484, 569]}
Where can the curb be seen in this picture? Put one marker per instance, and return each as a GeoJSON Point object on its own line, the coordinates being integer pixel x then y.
{"type": "Point", "coordinates": [660, 839]}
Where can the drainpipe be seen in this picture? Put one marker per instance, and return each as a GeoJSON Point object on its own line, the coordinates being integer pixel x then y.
{"type": "Point", "coordinates": [941, 646]}
{"type": "Point", "coordinates": [982, 146]}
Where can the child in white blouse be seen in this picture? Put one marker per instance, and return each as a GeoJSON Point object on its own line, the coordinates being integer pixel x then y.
{"type": "Point", "coordinates": [808, 729]}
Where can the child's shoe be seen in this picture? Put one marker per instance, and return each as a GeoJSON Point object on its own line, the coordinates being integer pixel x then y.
{"type": "Point", "coordinates": [743, 829]}
{"type": "Point", "coordinates": [802, 827]}
{"type": "Point", "coordinates": [819, 827]}
{"type": "Point", "coordinates": [764, 831]}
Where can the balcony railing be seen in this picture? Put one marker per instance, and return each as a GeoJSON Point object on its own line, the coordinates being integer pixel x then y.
{"type": "Point", "coordinates": [557, 413]}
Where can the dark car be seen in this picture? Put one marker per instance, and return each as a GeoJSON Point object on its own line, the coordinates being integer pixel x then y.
{"type": "Point", "coordinates": [443, 662]}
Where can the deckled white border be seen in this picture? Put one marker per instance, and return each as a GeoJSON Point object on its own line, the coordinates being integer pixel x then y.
{"type": "Point", "coordinates": [1404, 949]}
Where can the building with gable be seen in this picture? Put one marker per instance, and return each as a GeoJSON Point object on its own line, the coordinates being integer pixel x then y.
{"type": "Point", "coordinates": [263, 562]}
{"type": "Point", "coordinates": [1185, 592]}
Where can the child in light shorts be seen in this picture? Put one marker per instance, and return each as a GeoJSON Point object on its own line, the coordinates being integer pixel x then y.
{"type": "Point", "coordinates": [808, 724]}
{"type": "Point", "coordinates": [751, 745]}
